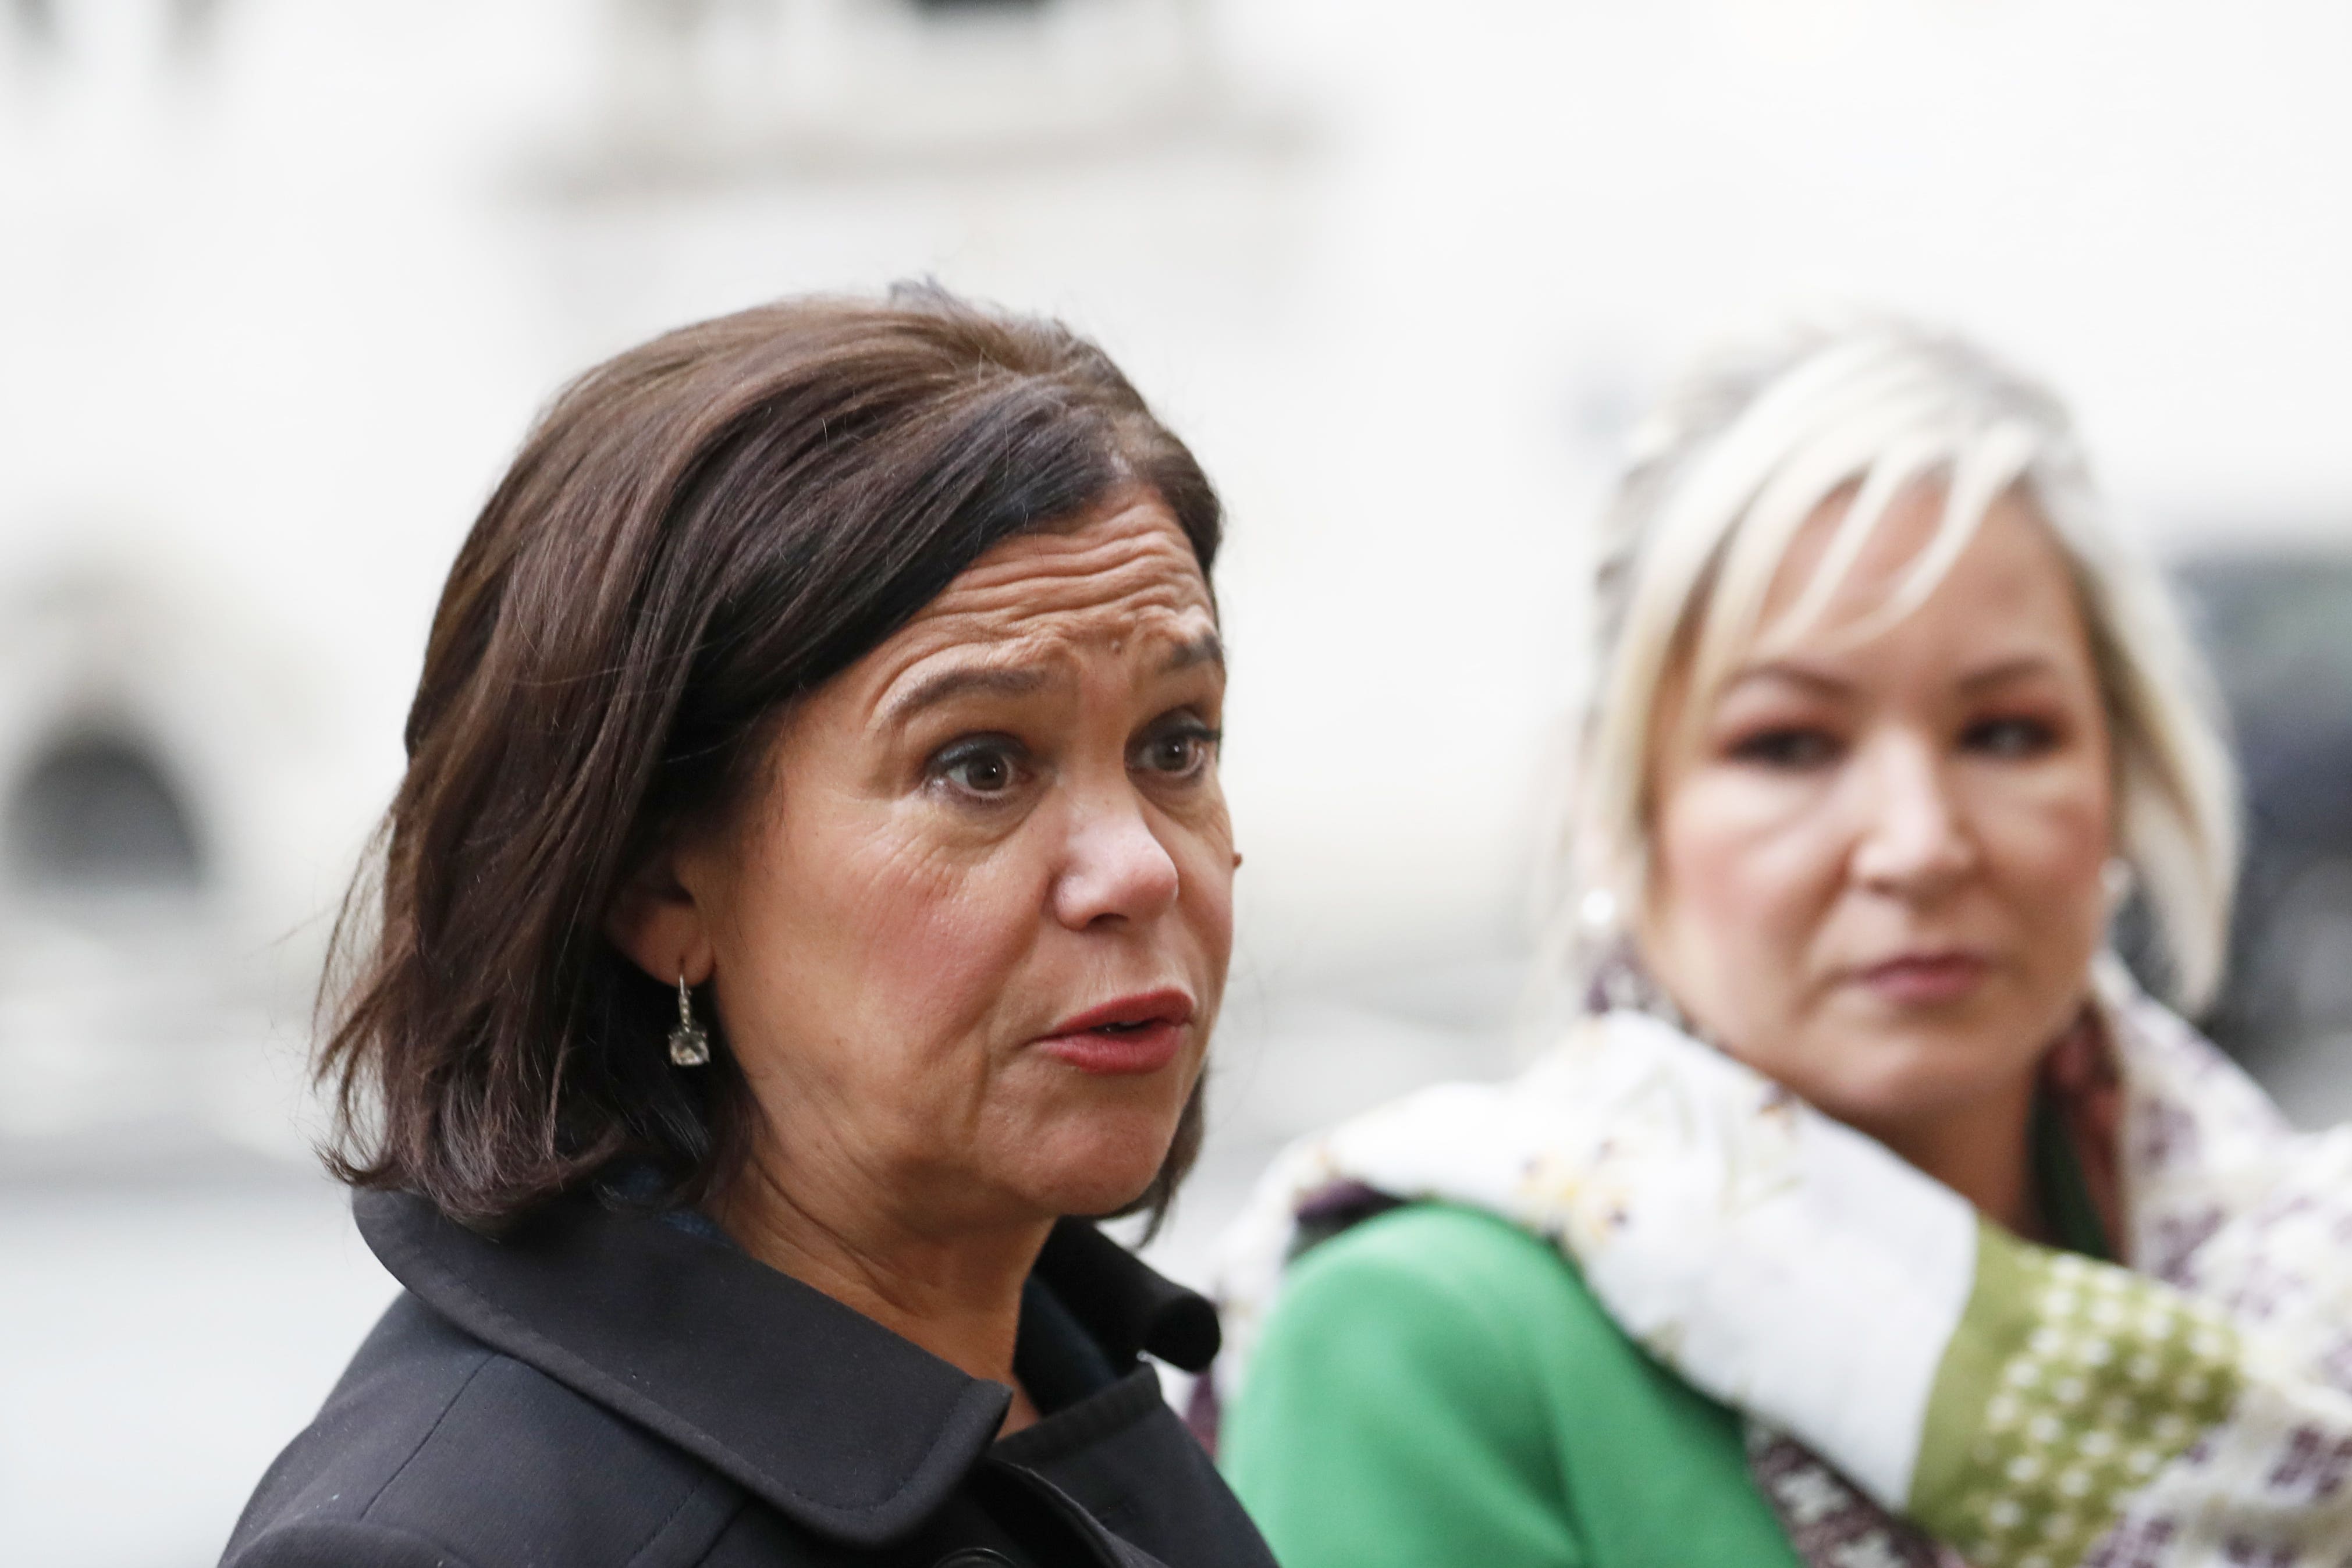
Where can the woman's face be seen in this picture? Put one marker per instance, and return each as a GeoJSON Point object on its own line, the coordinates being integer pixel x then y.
{"type": "Point", "coordinates": [970, 946]}
{"type": "Point", "coordinates": [1877, 871]}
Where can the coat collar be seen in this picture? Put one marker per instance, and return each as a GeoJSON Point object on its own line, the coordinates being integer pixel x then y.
{"type": "Point", "coordinates": [839, 1424]}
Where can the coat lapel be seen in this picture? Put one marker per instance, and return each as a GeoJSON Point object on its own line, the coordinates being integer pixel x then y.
{"type": "Point", "coordinates": [840, 1425]}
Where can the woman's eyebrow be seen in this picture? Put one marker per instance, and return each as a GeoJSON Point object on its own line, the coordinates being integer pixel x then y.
{"type": "Point", "coordinates": [2016, 666]}
{"type": "Point", "coordinates": [2008, 669]}
{"type": "Point", "coordinates": [1205, 649]}
{"type": "Point", "coordinates": [1795, 674]}
{"type": "Point", "coordinates": [1015, 680]}
{"type": "Point", "coordinates": [994, 680]}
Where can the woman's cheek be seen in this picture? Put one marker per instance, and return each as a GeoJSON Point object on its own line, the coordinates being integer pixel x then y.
{"type": "Point", "coordinates": [2053, 854]}
{"type": "Point", "coordinates": [1751, 868]}
{"type": "Point", "coordinates": [881, 932]}
{"type": "Point", "coordinates": [953, 939]}
{"type": "Point", "coordinates": [1745, 853]}
{"type": "Point", "coordinates": [1208, 869]}
{"type": "Point", "coordinates": [1704, 901]}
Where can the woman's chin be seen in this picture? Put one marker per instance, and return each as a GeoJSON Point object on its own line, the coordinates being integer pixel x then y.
{"type": "Point", "coordinates": [1094, 1169]}
{"type": "Point", "coordinates": [1863, 1067]}
{"type": "Point", "coordinates": [1909, 1086]}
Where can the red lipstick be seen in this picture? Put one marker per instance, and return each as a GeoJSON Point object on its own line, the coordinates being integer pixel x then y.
{"type": "Point", "coordinates": [1137, 1034]}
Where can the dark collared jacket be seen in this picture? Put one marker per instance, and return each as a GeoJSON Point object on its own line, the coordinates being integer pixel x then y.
{"type": "Point", "coordinates": [605, 1389]}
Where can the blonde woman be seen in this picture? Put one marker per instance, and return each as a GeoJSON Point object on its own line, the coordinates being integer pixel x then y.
{"type": "Point", "coordinates": [1871, 1215]}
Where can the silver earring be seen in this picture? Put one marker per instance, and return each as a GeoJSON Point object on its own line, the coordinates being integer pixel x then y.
{"type": "Point", "coordinates": [688, 1045]}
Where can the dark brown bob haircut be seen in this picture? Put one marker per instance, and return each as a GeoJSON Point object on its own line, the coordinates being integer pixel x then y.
{"type": "Point", "coordinates": [695, 534]}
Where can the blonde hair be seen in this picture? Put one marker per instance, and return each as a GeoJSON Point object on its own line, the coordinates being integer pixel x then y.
{"type": "Point", "coordinates": [1723, 476]}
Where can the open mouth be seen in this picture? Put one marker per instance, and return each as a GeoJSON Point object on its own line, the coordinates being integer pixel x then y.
{"type": "Point", "coordinates": [1130, 1014]}
{"type": "Point", "coordinates": [1141, 1033]}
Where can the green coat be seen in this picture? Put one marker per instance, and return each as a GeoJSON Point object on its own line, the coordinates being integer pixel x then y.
{"type": "Point", "coordinates": [1437, 1387]}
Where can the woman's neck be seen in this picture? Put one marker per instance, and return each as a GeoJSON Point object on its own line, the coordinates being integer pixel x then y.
{"type": "Point", "coordinates": [1981, 1151]}
{"type": "Point", "coordinates": [955, 1294]}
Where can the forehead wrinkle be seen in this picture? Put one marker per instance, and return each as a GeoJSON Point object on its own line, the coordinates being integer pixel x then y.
{"type": "Point", "coordinates": [1031, 660]}
{"type": "Point", "coordinates": [1111, 609]}
{"type": "Point", "coordinates": [1001, 632]}
{"type": "Point", "coordinates": [1085, 553]}
{"type": "Point", "coordinates": [1135, 525]}
{"type": "Point", "coordinates": [1026, 588]}
{"type": "Point", "coordinates": [1131, 594]}
{"type": "Point", "coordinates": [1038, 576]}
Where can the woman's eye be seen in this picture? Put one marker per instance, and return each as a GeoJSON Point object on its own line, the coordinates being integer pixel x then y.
{"type": "Point", "coordinates": [1790, 748]}
{"type": "Point", "coordinates": [982, 775]}
{"type": "Point", "coordinates": [2009, 738]}
{"type": "Point", "coordinates": [1180, 753]}
{"type": "Point", "coordinates": [985, 768]}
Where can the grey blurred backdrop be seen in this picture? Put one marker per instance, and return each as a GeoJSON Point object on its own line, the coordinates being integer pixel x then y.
{"type": "Point", "coordinates": [281, 282]}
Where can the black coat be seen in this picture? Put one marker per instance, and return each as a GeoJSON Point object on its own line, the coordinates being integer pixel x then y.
{"type": "Point", "coordinates": [603, 1387]}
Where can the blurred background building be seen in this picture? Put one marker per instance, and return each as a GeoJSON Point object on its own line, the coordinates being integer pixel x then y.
{"type": "Point", "coordinates": [281, 283]}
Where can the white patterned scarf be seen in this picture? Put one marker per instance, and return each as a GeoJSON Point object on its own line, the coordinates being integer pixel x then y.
{"type": "Point", "coordinates": [1921, 1388]}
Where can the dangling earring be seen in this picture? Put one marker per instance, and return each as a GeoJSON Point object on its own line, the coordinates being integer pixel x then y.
{"type": "Point", "coordinates": [688, 1045]}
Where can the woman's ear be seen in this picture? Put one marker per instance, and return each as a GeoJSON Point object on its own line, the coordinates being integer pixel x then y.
{"type": "Point", "coordinates": [658, 923]}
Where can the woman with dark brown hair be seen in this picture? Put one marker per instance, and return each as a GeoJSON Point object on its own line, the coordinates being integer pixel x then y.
{"type": "Point", "coordinates": [809, 898]}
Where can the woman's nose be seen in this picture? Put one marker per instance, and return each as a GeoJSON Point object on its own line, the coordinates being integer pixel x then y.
{"type": "Point", "coordinates": [1914, 842]}
{"type": "Point", "coordinates": [1115, 867]}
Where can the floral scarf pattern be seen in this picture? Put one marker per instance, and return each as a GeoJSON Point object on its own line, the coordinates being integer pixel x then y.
{"type": "Point", "coordinates": [1922, 1389]}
